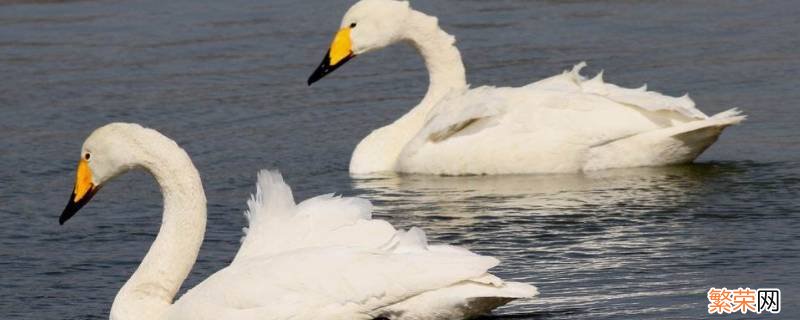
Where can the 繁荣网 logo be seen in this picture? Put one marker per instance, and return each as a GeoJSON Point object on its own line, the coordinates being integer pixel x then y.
{"type": "Point", "coordinates": [724, 301]}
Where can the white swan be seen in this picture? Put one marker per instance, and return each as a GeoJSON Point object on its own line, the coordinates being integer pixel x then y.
{"type": "Point", "coordinates": [324, 258]}
{"type": "Point", "coordinates": [565, 123]}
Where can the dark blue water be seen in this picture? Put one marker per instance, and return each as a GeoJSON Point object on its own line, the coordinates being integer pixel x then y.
{"type": "Point", "coordinates": [226, 79]}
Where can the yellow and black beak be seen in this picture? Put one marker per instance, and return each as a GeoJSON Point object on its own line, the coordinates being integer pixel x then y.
{"type": "Point", "coordinates": [83, 192]}
{"type": "Point", "coordinates": [340, 52]}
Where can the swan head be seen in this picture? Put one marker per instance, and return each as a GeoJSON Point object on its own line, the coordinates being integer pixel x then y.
{"type": "Point", "coordinates": [109, 151]}
{"type": "Point", "coordinates": [368, 25]}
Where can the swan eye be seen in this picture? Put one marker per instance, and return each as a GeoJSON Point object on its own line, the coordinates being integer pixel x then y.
{"type": "Point", "coordinates": [87, 156]}
{"type": "Point", "coordinates": [352, 25]}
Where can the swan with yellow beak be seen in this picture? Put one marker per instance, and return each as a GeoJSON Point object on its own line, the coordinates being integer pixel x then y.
{"type": "Point", "coordinates": [564, 123]}
{"type": "Point", "coordinates": [324, 258]}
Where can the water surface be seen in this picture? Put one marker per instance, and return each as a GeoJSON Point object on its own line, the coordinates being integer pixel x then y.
{"type": "Point", "coordinates": [226, 79]}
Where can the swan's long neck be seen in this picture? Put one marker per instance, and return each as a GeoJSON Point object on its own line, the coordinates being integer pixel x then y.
{"type": "Point", "coordinates": [151, 289]}
{"type": "Point", "coordinates": [442, 59]}
{"type": "Point", "coordinates": [380, 150]}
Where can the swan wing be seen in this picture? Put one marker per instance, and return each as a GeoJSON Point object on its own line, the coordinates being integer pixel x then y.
{"type": "Point", "coordinates": [277, 224]}
{"type": "Point", "coordinates": [345, 282]}
{"type": "Point", "coordinates": [483, 107]}
{"type": "Point", "coordinates": [464, 109]}
{"type": "Point", "coordinates": [573, 82]}
{"type": "Point", "coordinates": [547, 126]}
{"type": "Point", "coordinates": [326, 258]}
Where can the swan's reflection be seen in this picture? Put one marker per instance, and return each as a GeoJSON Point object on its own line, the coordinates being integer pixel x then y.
{"type": "Point", "coordinates": [459, 200]}
{"type": "Point", "coordinates": [582, 238]}
{"type": "Point", "coordinates": [619, 207]}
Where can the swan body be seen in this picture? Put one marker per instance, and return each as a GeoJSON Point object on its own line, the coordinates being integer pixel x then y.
{"type": "Point", "coordinates": [564, 123]}
{"type": "Point", "coordinates": [324, 258]}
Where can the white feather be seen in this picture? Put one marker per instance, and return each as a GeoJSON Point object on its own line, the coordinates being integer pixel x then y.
{"type": "Point", "coordinates": [277, 224]}
{"type": "Point", "coordinates": [327, 257]}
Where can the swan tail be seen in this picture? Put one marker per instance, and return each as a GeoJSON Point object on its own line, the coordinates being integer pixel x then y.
{"type": "Point", "coordinates": [464, 300]}
{"type": "Point", "coordinates": [518, 290]}
{"type": "Point", "coordinates": [673, 145]}
{"type": "Point", "coordinates": [733, 116]}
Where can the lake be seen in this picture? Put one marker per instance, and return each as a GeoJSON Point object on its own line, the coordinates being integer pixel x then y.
{"type": "Point", "coordinates": [227, 80]}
